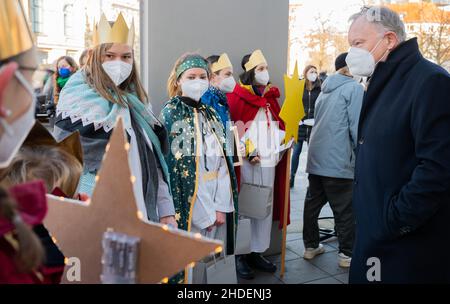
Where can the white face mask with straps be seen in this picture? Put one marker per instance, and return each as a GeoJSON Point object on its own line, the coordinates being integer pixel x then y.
{"type": "Point", "coordinates": [227, 85]}
{"type": "Point", "coordinates": [117, 70]}
{"type": "Point", "coordinates": [262, 78]}
{"type": "Point", "coordinates": [361, 62]}
{"type": "Point", "coordinates": [15, 133]}
{"type": "Point", "coordinates": [195, 89]}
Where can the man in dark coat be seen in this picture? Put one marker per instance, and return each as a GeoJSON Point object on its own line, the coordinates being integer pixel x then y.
{"type": "Point", "coordinates": [402, 176]}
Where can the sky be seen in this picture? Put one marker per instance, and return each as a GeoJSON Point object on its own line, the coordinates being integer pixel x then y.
{"type": "Point", "coordinates": [338, 11]}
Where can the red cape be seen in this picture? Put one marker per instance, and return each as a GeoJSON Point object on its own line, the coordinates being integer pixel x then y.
{"type": "Point", "coordinates": [244, 105]}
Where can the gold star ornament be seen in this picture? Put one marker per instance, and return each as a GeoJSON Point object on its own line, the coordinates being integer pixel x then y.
{"type": "Point", "coordinates": [78, 228]}
{"type": "Point", "coordinates": [292, 111]}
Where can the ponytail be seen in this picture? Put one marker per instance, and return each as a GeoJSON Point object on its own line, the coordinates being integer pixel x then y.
{"type": "Point", "coordinates": [30, 253]}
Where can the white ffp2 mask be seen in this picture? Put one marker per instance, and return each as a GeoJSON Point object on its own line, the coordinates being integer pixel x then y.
{"type": "Point", "coordinates": [227, 85]}
{"type": "Point", "coordinates": [15, 134]}
{"type": "Point", "coordinates": [195, 89]}
{"type": "Point", "coordinates": [117, 70]}
{"type": "Point", "coordinates": [361, 62]}
{"type": "Point", "coordinates": [262, 78]}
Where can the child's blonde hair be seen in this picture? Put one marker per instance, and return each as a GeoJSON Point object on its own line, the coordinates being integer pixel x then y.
{"type": "Point", "coordinates": [54, 166]}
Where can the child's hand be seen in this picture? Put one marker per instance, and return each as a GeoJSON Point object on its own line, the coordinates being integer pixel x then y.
{"type": "Point", "coordinates": [83, 197]}
{"type": "Point", "coordinates": [169, 221]}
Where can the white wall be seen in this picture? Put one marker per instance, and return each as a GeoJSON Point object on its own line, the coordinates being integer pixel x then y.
{"type": "Point", "coordinates": [173, 27]}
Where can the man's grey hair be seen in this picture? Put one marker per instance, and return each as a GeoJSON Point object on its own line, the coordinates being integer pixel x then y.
{"type": "Point", "coordinates": [385, 18]}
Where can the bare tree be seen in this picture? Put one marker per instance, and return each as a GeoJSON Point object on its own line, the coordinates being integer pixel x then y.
{"type": "Point", "coordinates": [324, 43]}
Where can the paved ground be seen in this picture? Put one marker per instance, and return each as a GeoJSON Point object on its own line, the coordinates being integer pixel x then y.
{"type": "Point", "coordinates": [323, 269]}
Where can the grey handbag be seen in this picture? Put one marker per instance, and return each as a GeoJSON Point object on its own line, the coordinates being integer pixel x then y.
{"type": "Point", "coordinates": [255, 201]}
{"type": "Point", "coordinates": [243, 237]}
{"type": "Point", "coordinates": [216, 271]}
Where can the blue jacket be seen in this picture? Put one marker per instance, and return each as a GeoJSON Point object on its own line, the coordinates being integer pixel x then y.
{"type": "Point", "coordinates": [334, 136]}
{"type": "Point", "coordinates": [401, 195]}
{"type": "Point", "coordinates": [218, 101]}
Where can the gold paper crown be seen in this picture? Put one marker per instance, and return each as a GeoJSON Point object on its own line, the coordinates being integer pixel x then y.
{"type": "Point", "coordinates": [15, 35]}
{"type": "Point", "coordinates": [118, 33]}
{"type": "Point", "coordinates": [223, 63]}
{"type": "Point", "coordinates": [256, 59]}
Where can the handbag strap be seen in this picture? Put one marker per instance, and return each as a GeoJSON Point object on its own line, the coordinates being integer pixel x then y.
{"type": "Point", "coordinates": [262, 178]}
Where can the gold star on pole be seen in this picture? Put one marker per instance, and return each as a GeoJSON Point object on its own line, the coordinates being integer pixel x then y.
{"type": "Point", "coordinates": [293, 111]}
{"type": "Point", "coordinates": [79, 227]}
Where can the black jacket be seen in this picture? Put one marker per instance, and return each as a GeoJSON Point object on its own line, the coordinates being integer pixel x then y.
{"type": "Point", "coordinates": [309, 104]}
{"type": "Point", "coordinates": [402, 177]}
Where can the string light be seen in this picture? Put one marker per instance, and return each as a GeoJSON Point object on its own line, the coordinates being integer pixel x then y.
{"type": "Point", "coordinates": [54, 240]}
{"type": "Point", "coordinates": [165, 228]}
{"type": "Point", "coordinates": [97, 178]}
{"type": "Point", "coordinates": [219, 249]}
{"type": "Point", "coordinates": [165, 280]}
{"type": "Point", "coordinates": [192, 265]}
{"type": "Point", "coordinates": [107, 147]}
{"type": "Point", "coordinates": [133, 179]}
{"type": "Point", "coordinates": [198, 236]}
{"type": "Point", "coordinates": [140, 215]}
{"type": "Point", "coordinates": [127, 147]}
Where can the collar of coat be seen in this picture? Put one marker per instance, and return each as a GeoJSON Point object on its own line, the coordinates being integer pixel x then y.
{"type": "Point", "coordinates": [399, 62]}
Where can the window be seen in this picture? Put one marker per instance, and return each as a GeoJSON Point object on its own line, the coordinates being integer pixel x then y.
{"type": "Point", "coordinates": [68, 20]}
{"type": "Point", "coordinates": [36, 16]}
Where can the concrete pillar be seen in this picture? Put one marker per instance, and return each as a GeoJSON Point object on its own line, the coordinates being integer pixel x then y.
{"type": "Point", "coordinates": [170, 28]}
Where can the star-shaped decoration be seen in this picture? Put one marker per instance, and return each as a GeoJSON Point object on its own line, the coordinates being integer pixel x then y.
{"type": "Point", "coordinates": [186, 173]}
{"type": "Point", "coordinates": [78, 227]}
{"type": "Point", "coordinates": [292, 111]}
{"type": "Point", "coordinates": [178, 155]}
{"type": "Point", "coordinates": [177, 216]}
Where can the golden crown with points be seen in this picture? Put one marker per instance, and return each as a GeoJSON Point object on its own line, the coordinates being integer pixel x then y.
{"type": "Point", "coordinates": [15, 35]}
{"type": "Point", "coordinates": [118, 33]}
{"type": "Point", "coordinates": [256, 59]}
{"type": "Point", "coordinates": [223, 63]}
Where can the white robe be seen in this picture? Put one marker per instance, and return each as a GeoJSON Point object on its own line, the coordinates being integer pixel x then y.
{"type": "Point", "coordinates": [214, 192]}
{"type": "Point", "coordinates": [267, 141]}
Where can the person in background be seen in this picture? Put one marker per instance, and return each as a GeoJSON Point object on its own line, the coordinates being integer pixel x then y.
{"type": "Point", "coordinates": [331, 161]}
{"type": "Point", "coordinates": [65, 67]}
{"type": "Point", "coordinates": [222, 83]}
{"type": "Point", "coordinates": [323, 76]}
{"type": "Point", "coordinates": [311, 92]}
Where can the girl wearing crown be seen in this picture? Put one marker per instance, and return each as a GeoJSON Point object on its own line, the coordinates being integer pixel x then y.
{"type": "Point", "coordinates": [254, 109]}
{"type": "Point", "coordinates": [94, 98]}
{"type": "Point", "coordinates": [203, 181]}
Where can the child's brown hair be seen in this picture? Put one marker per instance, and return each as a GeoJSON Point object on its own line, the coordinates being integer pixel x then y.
{"type": "Point", "coordinates": [54, 166]}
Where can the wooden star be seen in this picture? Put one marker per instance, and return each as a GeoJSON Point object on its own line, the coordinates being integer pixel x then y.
{"type": "Point", "coordinates": [292, 111]}
{"type": "Point", "coordinates": [78, 228]}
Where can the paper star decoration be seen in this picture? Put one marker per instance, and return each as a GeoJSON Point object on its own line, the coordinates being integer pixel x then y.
{"type": "Point", "coordinates": [292, 111]}
{"type": "Point", "coordinates": [78, 228]}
